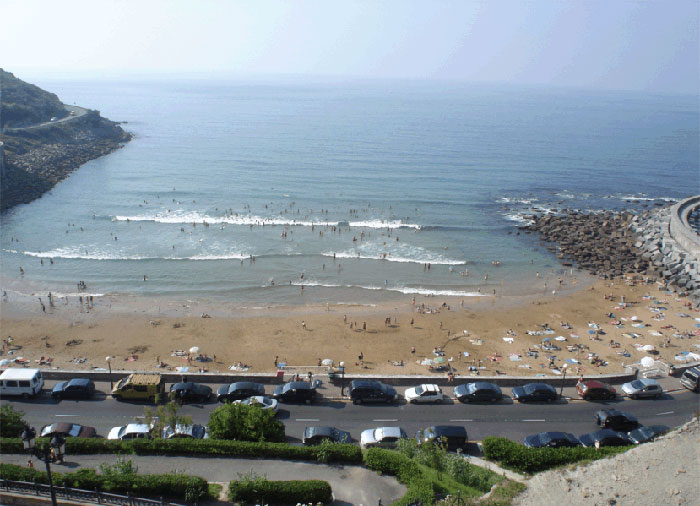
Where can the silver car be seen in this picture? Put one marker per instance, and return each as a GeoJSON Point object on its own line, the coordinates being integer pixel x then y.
{"type": "Point", "coordinates": [644, 387]}
{"type": "Point", "coordinates": [194, 431]}
{"type": "Point", "coordinates": [382, 437]}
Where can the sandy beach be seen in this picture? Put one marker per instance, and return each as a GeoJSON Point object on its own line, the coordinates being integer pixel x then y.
{"type": "Point", "coordinates": [487, 334]}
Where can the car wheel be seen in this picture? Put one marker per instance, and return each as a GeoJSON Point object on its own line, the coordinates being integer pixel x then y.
{"type": "Point", "coordinates": [356, 401]}
{"type": "Point", "coordinates": [634, 397]}
{"type": "Point", "coordinates": [438, 401]}
{"type": "Point", "coordinates": [308, 401]}
{"type": "Point", "coordinates": [25, 396]}
{"type": "Point", "coordinates": [117, 397]}
{"type": "Point", "coordinates": [412, 401]}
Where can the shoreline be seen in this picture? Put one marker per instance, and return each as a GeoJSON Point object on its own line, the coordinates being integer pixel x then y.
{"type": "Point", "coordinates": [492, 331]}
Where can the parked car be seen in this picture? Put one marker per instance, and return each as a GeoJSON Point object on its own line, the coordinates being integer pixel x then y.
{"type": "Point", "coordinates": [181, 431]}
{"type": "Point", "coordinates": [552, 440]}
{"type": "Point", "coordinates": [481, 391]}
{"type": "Point", "coordinates": [615, 420]}
{"type": "Point", "coordinates": [425, 393]}
{"type": "Point", "coordinates": [77, 388]}
{"type": "Point", "coordinates": [690, 379]}
{"type": "Point", "coordinates": [295, 391]}
{"type": "Point", "coordinates": [261, 401]}
{"type": "Point", "coordinates": [643, 388]}
{"type": "Point", "coordinates": [604, 437]}
{"type": "Point", "coordinates": [20, 381]}
{"type": "Point", "coordinates": [647, 433]}
{"type": "Point", "coordinates": [382, 437]}
{"type": "Point", "coordinates": [453, 437]}
{"type": "Point", "coordinates": [130, 431]}
{"type": "Point", "coordinates": [139, 386]}
{"type": "Point", "coordinates": [65, 429]}
{"type": "Point", "coordinates": [535, 392]}
{"type": "Point", "coordinates": [595, 391]}
{"type": "Point", "coordinates": [371, 391]}
{"type": "Point", "coordinates": [316, 435]}
{"type": "Point", "coordinates": [189, 391]}
{"type": "Point", "coordinates": [239, 391]}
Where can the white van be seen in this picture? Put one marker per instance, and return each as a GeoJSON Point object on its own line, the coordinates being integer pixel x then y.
{"type": "Point", "coordinates": [24, 382]}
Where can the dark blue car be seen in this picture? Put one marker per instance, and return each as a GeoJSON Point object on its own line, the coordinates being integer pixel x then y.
{"type": "Point", "coordinates": [480, 391]}
{"type": "Point", "coordinates": [552, 440]}
{"type": "Point", "coordinates": [77, 388]}
{"type": "Point", "coordinates": [648, 433]}
{"type": "Point", "coordinates": [535, 392]}
{"type": "Point", "coordinates": [605, 437]}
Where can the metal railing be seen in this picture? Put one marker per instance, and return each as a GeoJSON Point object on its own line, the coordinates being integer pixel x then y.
{"type": "Point", "coordinates": [96, 497]}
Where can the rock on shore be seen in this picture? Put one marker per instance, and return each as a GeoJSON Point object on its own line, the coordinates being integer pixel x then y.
{"type": "Point", "coordinates": [38, 148]}
{"type": "Point", "coordinates": [601, 243]}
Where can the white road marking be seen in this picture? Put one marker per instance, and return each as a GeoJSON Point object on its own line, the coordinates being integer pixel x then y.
{"type": "Point", "coordinates": [67, 415]}
{"type": "Point", "coordinates": [534, 420]}
{"type": "Point", "coordinates": [385, 420]}
{"type": "Point", "coordinates": [461, 420]}
{"type": "Point", "coordinates": [307, 420]}
{"type": "Point", "coordinates": [665, 413]}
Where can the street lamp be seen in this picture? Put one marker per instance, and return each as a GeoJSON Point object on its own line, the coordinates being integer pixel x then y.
{"type": "Point", "coordinates": [53, 452]}
{"type": "Point", "coordinates": [109, 364]}
{"type": "Point", "coordinates": [342, 380]}
{"type": "Point", "coordinates": [563, 368]}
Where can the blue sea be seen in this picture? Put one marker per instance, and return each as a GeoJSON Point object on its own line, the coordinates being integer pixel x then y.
{"type": "Point", "coordinates": [245, 191]}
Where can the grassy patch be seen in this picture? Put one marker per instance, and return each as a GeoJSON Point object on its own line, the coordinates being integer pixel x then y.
{"type": "Point", "coordinates": [215, 491]}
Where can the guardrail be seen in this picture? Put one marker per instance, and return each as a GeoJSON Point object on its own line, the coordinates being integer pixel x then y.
{"type": "Point", "coordinates": [68, 493]}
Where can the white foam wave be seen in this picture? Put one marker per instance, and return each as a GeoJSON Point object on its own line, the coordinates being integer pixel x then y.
{"type": "Point", "coordinates": [517, 200]}
{"type": "Point", "coordinates": [182, 217]}
{"type": "Point", "coordinates": [79, 254]}
{"type": "Point", "coordinates": [644, 197]}
{"type": "Point", "coordinates": [519, 218]}
{"type": "Point", "coordinates": [406, 290]}
{"type": "Point", "coordinates": [393, 258]}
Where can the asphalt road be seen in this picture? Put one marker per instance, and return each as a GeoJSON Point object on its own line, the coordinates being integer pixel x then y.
{"type": "Point", "coordinates": [512, 420]}
{"type": "Point", "coordinates": [76, 110]}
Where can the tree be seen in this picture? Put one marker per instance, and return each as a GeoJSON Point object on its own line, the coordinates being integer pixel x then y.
{"type": "Point", "coordinates": [245, 423]}
{"type": "Point", "coordinates": [165, 416]}
{"type": "Point", "coordinates": [11, 421]}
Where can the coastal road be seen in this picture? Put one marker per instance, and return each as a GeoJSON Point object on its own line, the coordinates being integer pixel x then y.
{"type": "Point", "coordinates": [74, 109]}
{"type": "Point", "coordinates": [512, 420]}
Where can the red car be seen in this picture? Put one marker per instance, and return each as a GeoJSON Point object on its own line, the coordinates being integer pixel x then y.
{"type": "Point", "coordinates": [595, 391]}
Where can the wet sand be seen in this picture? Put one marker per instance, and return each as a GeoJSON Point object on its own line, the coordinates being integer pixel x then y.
{"type": "Point", "coordinates": [138, 337]}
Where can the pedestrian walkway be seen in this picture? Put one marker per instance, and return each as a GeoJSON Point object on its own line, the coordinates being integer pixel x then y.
{"type": "Point", "coordinates": [350, 484]}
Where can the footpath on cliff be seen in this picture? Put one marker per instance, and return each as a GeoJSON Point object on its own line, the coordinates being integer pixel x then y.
{"type": "Point", "coordinates": [43, 140]}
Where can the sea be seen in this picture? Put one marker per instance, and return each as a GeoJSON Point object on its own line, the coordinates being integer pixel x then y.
{"type": "Point", "coordinates": [267, 193]}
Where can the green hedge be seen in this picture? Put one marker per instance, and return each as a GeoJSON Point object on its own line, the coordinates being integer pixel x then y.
{"type": "Point", "coordinates": [420, 488]}
{"type": "Point", "coordinates": [531, 460]}
{"type": "Point", "coordinates": [262, 491]}
{"type": "Point", "coordinates": [345, 453]}
{"type": "Point", "coordinates": [175, 486]}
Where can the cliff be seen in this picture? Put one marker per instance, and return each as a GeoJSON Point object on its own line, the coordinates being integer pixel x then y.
{"type": "Point", "coordinates": [43, 140]}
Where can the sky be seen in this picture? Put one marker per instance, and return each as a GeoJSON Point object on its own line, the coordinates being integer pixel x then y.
{"type": "Point", "coordinates": [649, 45]}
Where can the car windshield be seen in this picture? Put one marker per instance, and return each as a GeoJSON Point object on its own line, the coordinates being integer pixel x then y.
{"type": "Point", "coordinates": [419, 390]}
{"type": "Point", "coordinates": [74, 430]}
{"type": "Point", "coordinates": [637, 384]}
{"type": "Point", "coordinates": [530, 388]}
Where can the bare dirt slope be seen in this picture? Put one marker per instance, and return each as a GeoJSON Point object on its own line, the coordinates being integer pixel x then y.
{"type": "Point", "coordinates": [665, 472]}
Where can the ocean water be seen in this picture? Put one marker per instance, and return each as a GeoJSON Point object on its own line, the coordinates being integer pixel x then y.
{"type": "Point", "coordinates": [349, 189]}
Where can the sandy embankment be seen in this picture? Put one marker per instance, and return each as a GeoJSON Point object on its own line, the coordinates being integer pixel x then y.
{"type": "Point", "coordinates": [256, 337]}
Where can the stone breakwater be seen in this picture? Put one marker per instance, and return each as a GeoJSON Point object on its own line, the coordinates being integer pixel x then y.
{"type": "Point", "coordinates": [614, 244]}
{"type": "Point", "coordinates": [36, 159]}
{"type": "Point", "coordinates": [670, 246]}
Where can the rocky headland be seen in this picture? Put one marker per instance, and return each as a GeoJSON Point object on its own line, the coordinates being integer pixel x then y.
{"type": "Point", "coordinates": [656, 243]}
{"type": "Point", "coordinates": [42, 140]}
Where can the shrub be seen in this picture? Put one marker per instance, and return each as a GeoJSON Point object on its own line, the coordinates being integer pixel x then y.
{"type": "Point", "coordinates": [11, 421]}
{"type": "Point", "coordinates": [119, 480]}
{"type": "Point", "coordinates": [531, 460]}
{"type": "Point", "coordinates": [245, 423]}
{"type": "Point", "coordinates": [345, 453]}
{"type": "Point", "coordinates": [420, 488]}
{"type": "Point", "coordinates": [259, 490]}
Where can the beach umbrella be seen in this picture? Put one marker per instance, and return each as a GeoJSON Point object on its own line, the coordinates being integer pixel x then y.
{"type": "Point", "coordinates": [647, 362]}
{"type": "Point", "coordinates": [647, 347]}
{"type": "Point", "coordinates": [194, 349]}
{"type": "Point", "coordinates": [440, 360]}
{"type": "Point", "coordinates": [546, 339]}
{"type": "Point", "coordinates": [327, 362]}
{"type": "Point", "coordinates": [4, 362]}
{"type": "Point", "coordinates": [591, 332]}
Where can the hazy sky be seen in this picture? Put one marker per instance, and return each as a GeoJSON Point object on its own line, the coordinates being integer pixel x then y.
{"type": "Point", "coordinates": [645, 45]}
